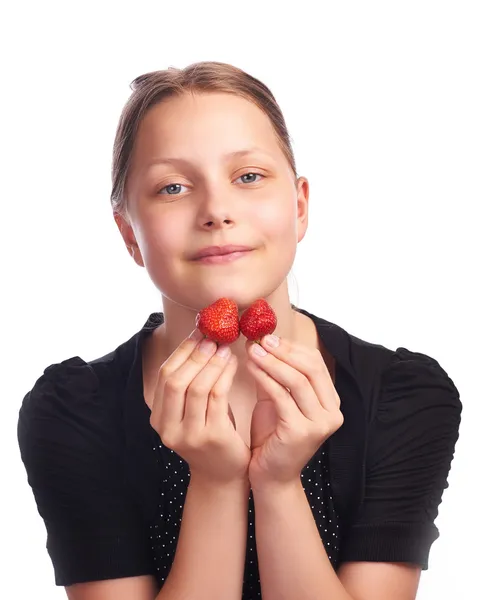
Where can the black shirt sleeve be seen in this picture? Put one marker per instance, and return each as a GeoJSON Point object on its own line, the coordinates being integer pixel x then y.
{"type": "Point", "coordinates": [71, 448]}
{"type": "Point", "coordinates": [410, 449]}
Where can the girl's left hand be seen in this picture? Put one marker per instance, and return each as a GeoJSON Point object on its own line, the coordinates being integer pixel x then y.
{"type": "Point", "coordinates": [297, 409]}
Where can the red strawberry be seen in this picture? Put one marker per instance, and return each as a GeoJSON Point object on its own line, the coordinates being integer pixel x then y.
{"type": "Point", "coordinates": [258, 320]}
{"type": "Point", "coordinates": [219, 321]}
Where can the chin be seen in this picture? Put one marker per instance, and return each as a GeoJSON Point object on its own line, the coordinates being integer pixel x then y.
{"type": "Point", "coordinates": [243, 297]}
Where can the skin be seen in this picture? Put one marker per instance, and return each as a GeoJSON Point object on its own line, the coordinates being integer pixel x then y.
{"type": "Point", "coordinates": [216, 206]}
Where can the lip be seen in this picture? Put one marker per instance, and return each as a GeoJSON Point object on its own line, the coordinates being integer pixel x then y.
{"type": "Point", "coordinates": [218, 252]}
{"type": "Point", "coordinates": [219, 259]}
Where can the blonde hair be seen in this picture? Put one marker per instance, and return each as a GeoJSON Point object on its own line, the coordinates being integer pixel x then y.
{"type": "Point", "coordinates": [151, 88]}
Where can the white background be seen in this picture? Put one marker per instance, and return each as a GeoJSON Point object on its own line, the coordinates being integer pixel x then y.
{"type": "Point", "coordinates": [381, 101]}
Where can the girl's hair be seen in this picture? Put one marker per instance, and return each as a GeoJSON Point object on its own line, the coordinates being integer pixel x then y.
{"type": "Point", "coordinates": [151, 88]}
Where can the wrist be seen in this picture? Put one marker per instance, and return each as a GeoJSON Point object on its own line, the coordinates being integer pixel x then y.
{"type": "Point", "coordinates": [274, 488]}
{"type": "Point", "coordinates": [212, 487]}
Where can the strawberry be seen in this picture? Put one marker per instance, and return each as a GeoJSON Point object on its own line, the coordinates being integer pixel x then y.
{"type": "Point", "coordinates": [258, 320]}
{"type": "Point", "coordinates": [219, 321]}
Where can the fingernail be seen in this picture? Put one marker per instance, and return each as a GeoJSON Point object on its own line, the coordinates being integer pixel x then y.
{"type": "Point", "coordinates": [259, 350]}
{"type": "Point", "coordinates": [272, 341]}
{"type": "Point", "coordinates": [224, 351]}
{"type": "Point", "coordinates": [207, 347]}
{"type": "Point", "coordinates": [196, 335]}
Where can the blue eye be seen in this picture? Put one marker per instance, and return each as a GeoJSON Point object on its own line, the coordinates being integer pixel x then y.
{"type": "Point", "coordinates": [171, 185]}
{"type": "Point", "coordinates": [173, 189]}
{"type": "Point", "coordinates": [252, 173]}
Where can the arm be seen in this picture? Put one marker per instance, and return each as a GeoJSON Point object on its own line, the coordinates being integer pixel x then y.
{"type": "Point", "coordinates": [209, 560]}
{"type": "Point", "coordinates": [294, 565]}
{"type": "Point", "coordinates": [411, 443]}
{"type": "Point", "coordinates": [410, 448]}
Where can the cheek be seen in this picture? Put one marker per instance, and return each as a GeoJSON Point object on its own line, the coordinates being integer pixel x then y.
{"type": "Point", "coordinates": [277, 221]}
{"type": "Point", "coordinates": [161, 239]}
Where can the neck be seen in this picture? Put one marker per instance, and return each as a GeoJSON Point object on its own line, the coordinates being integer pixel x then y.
{"type": "Point", "coordinates": [180, 321]}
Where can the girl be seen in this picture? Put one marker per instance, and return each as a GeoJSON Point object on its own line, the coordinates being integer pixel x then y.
{"type": "Point", "coordinates": [308, 466]}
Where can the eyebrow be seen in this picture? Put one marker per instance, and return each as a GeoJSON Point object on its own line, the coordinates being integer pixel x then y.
{"type": "Point", "coordinates": [227, 156]}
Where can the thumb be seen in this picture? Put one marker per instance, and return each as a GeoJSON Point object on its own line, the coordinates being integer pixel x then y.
{"type": "Point", "coordinates": [231, 416]}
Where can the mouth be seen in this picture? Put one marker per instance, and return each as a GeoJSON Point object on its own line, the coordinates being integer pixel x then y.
{"type": "Point", "coordinates": [219, 259]}
{"type": "Point", "coordinates": [228, 252]}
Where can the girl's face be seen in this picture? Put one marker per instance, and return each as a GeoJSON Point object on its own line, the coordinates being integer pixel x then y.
{"type": "Point", "coordinates": [207, 170]}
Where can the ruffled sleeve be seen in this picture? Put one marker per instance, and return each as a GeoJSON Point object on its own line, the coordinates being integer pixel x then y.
{"type": "Point", "coordinates": [410, 448]}
{"type": "Point", "coordinates": [71, 448]}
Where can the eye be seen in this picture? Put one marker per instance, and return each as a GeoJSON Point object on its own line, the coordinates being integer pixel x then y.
{"type": "Point", "coordinates": [247, 175]}
{"type": "Point", "coordinates": [172, 187]}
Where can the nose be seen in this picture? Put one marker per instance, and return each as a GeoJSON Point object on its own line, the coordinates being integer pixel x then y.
{"type": "Point", "coordinates": [216, 211]}
{"type": "Point", "coordinates": [217, 224]}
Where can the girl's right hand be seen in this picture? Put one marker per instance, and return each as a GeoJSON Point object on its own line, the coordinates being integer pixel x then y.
{"type": "Point", "coordinates": [190, 411]}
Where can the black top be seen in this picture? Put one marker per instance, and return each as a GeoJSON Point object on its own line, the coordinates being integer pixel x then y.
{"type": "Point", "coordinates": [111, 494]}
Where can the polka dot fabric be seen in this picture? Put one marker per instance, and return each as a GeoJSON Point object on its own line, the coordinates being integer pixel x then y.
{"type": "Point", "coordinates": [164, 531]}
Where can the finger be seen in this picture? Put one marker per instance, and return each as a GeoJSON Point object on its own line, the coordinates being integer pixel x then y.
{"type": "Point", "coordinates": [171, 364]}
{"type": "Point", "coordinates": [286, 407]}
{"type": "Point", "coordinates": [182, 353]}
{"type": "Point", "coordinates": [299, 386]}
{"type": "Point", "coordinates": [176, 385]}
{"type": "Point", "coordinates": [218, 409]}
{"type": "Point", "coordinates": [309, 362]}
{"type": "Point", "coordinates": [197, 394]}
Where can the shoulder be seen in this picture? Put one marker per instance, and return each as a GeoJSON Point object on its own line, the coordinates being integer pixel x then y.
{"type": "Point", "coordinates": [414, 382]}
{"type": "Point", "coordinates": [63, 389]}
{"type": "Point", "coordinates": [361, 359]}
{"type": "Point", "coordinates": [388, 384]}
{"type": "Point", "coordinates": [73, 377]}
{"type": "Point", "coordinates": [71, 386]}
{"type": "Point", "coordinates": [412, 402]}
{"type": "Point", "coordinates": [389, 375]}
{"type": "Point", "coordinates": [400, 366]}
{"type": "Point", "coordinates": [76, 396]}
{"type": "Point", "coordinates": [405, 386]}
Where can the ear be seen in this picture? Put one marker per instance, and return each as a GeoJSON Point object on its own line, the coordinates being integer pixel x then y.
{"type": "Point", "coordinates": [129, 238]}
{"type": "Point", "coordinates": [302, 186]}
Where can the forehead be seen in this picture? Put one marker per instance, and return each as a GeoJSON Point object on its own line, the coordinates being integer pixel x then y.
{"type": "Point", "coordinates": [204, 122]}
